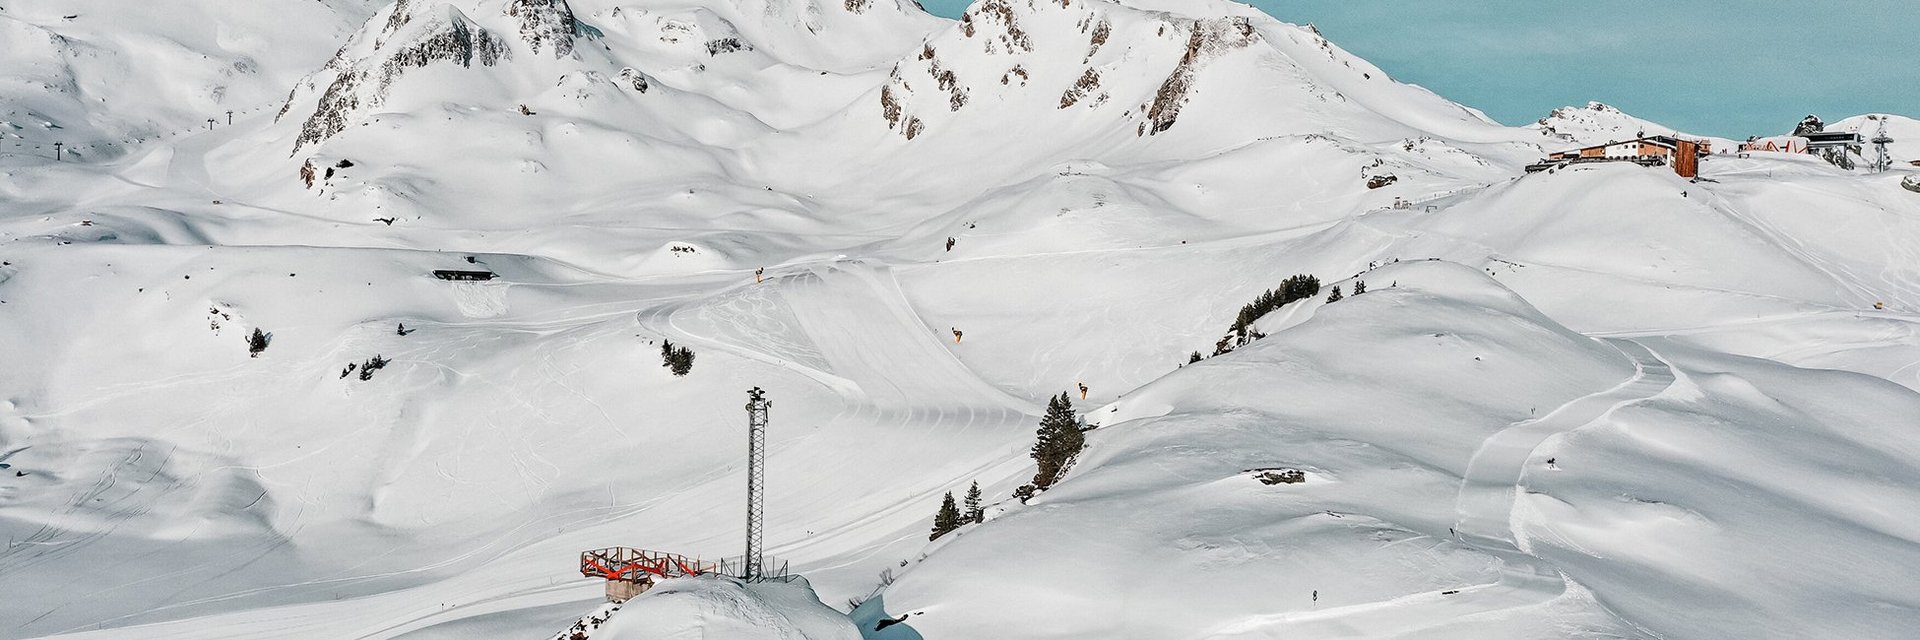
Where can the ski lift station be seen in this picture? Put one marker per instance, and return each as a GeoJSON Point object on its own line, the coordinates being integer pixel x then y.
{"type": "Point", "coordinates": [630, 571]}
{"type": "Point", "coordinates": [1810, 137]}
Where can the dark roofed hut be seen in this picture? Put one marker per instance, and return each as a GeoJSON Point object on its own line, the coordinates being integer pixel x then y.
{"type": "Point", "coordinates": [460, 275]}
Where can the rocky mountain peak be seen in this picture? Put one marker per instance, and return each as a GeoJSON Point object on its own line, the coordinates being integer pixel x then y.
{"type": "Point", "coordinates": [545, 23]}
{"type": "Point", "coordinates": [414, 34]}
{"type": "Point", "coordinates": [1093, 54]}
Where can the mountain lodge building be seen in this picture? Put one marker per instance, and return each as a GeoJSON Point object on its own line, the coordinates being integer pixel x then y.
{"type": "Point", "coordinates": [1682, 154]}
{"type": "Point", "coordinates": [1647, 147]}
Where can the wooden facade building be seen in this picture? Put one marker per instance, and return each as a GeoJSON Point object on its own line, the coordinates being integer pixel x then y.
{"type": "Point", "coordinates": [1680, 153]}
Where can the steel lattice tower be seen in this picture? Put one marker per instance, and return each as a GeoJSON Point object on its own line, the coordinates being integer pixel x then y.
{"type": "Point", "coordinates": [757, 405]}
{"type": "Point", "coordinates": [1881, 161]}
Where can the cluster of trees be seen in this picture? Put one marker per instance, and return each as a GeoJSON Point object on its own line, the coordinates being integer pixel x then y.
{"type": "Point", "coordinates": [366, 369]}
{"type": "Point", "coordinates": [677, 359]}
{"type": "Point", "coordinates": [373, 364]}
{"type": "Point", "coordinates": [1057, 441]}
{"type": "Point", "coordinates": [951, 517]}
{"type": "Point", "coordinates": [1299, 287]}
{"type": "Point", "coordinates": [1359, 287]}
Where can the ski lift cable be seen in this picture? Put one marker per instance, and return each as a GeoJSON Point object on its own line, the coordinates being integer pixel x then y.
{"type": "Point", "coordinates": [23, 142]}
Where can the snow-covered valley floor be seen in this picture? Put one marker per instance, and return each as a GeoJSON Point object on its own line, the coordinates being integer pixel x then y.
{"type": "Point", "coordinates": [1600, 401]}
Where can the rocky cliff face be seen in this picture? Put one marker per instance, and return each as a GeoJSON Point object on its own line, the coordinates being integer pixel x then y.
{"type": "Point", "coordinates": [412, 34]}
{"type": "Point", "coordinates": [1207, 40]}
{"type": "Point", "coordinates": [1141, 65]}
{"type": "Point", "coordinates": [545, 23]}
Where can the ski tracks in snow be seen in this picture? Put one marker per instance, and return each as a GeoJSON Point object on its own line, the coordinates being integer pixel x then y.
{"type": "Point", "coordinates": [861, 322]}
{"type": "Point", "coordinates": [847, 325]}
{"type": "Point", "coordinates": [878, 352]}
{"type": "Point", "coordinates": [1493, 481]}
{"type": "Point", "coordinates": [1484, 507]}
{"type": "Point", "coordinates": [1485, 520]}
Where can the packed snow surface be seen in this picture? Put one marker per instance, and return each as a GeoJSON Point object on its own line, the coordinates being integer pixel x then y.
{"type": "Point", "coordinates": [699, 608]}
{"type": "Point", "coordinates": [1599, 401]}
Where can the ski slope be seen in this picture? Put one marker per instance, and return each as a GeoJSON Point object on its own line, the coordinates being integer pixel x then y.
{"type": "Point", "coordinates": [1496, 473]}
{"type": "Point", "coordinates": [1602, 401]}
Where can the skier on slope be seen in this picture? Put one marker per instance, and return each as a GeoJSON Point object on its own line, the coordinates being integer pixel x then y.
{"type": "Point", "coordinates": [1083, 391]}
{"type": "Point", "coordinates": [950, 241]}
{"type": "Point", "coordinates": [759, 274]}
{"type": "Point", "coordinates": [956, 335]}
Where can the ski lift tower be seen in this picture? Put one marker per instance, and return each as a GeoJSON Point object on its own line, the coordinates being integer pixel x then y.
{"type": "Point", "coordinates": [1881, 161]}
{"type": "Point", "coordinates": [757, 405]}
{"type": "Point", "coordinates": [630, 572]}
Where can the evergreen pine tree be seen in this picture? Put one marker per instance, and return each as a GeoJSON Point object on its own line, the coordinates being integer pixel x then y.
{"type": "Point", "coordinates": [677, 359]}
{"type": "Point", "coordinates": [1359, 287]}
{"type": "Point", "coordinates": [256, 343]}
{"type": "Point", "coordinates": [1335, 296]}
{"type": "Point", "coordinates": [1059, 439]}
{"type": "Point", "coordinates": [373, 364]}
{"type": "Point", "coordinates": [1299, 287]}
{"type": "Point", "coordinates": [947, 519]}
{"type": "Point", "coordinates": [1193, 358]}
{"type": "Point", "coordinates": [681, 362]}
{"type": "Point", "coordinates": [975, 513]}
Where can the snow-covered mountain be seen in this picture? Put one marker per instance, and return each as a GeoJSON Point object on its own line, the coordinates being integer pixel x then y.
{"type": "Point", "coordinates": [1598, 123]}
{"type": "Point", "coordinates": [101, 76]}
{"type": "Point", "coordinates": [1601, 401]}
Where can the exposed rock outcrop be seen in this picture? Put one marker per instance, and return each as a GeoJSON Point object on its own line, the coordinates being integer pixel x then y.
{"type": "Point", "coordinates": [414, 34]}
{"type": "Point", "coordinates": [1089, 82]}
{"type": "Point", "coordinates": [546, 23]}
{"type": "Point", "coordinates": [1209, 38]}
{"type": "Point", "coordinates": [1096, 55]}
{"type": "Point", "coordinates": [635, 78]}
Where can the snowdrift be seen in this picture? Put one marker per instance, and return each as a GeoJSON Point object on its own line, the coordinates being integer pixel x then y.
{"type": "Point", "coordinates": [1599, 401]}
{"type": "Point", "coordinates": [693, 609]}
{"type": "Point", "coordinates": [1385, 538]}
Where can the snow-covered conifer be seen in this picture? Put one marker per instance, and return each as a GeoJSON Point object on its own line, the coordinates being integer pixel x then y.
{"type": "Point", "coordinates": [975, 513]}
{"type": "Point", "coordinates": [947, 519]}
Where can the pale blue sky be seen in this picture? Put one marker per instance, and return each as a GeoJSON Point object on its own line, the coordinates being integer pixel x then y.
{"type": "Point", "coordinates": [1719, 67]}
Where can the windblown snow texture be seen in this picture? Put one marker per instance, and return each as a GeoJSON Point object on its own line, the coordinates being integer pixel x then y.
{"type": "Point", "coordinates": [1600, 401]}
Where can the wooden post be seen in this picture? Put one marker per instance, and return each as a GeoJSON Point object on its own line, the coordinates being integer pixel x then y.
{"type": "Point", "coordinates": [1686, 159]}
